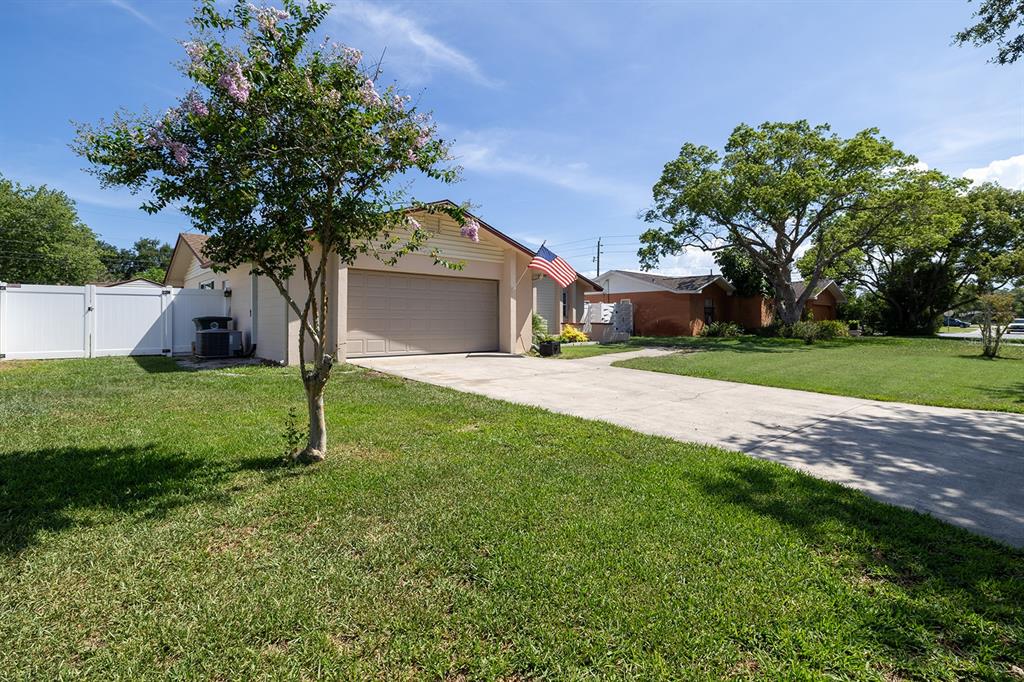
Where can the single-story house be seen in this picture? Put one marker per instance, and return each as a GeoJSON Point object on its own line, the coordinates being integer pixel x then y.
{"type": "Point", "coordinates": [412, 307]}
{"type": "Point", "coordinates": [665, 305]}
{"type": "Point", "coordinates": [824, 302]}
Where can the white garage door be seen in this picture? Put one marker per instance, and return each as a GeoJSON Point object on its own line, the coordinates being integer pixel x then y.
{"type": "Point", "coordinates": [393, 314]}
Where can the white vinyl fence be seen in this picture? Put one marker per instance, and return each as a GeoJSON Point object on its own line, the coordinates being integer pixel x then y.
{"type": "Point", "coordinates": [38, 321]}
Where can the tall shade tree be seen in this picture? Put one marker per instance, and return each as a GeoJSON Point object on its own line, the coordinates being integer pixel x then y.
{"type": "Point", "coordinates": [777, 190]}
{"type": "Point", "coordinates": [739, 269]}
{"type": "Point", "coordinates": [42, 240]}
{"type": "Point", "coordinates": [940, 255]}
{"type": "Point", "coordinates": [288, 156]}
{"type": "Point", "coordinates": [1000, 22]}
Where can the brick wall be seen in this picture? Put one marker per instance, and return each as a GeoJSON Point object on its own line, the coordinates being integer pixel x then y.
{"type": "Point", "coordinates": [655, 313]}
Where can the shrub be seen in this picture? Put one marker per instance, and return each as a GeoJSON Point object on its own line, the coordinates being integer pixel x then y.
{"type": "Point", "coordinates": [808, 330]}
{"type": "Point", "coordinates": [571, 334]}
{"type": "Point", "coordinates": [723, 330]}
{"type": "Point", "coordinates": [832, 329]}
{"type": "Point", "coordinates": [540, 328]}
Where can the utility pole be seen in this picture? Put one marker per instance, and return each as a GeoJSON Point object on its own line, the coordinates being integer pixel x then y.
{"type": "Point", "coordinates": [598, 259]}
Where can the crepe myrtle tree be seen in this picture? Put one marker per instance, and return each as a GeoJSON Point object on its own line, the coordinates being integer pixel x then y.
{"type": "Point", "coordinates": [284, 154]}
{"type": "Point", "coordinates": [777, 190]}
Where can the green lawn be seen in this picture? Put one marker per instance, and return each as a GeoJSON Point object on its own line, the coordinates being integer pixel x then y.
{"type": "Point", "coordinates": [944, 372]}
{"type": "Point", "coordinates": [957, 330]}
{"type": "Point", "coordinates": [148, 529]}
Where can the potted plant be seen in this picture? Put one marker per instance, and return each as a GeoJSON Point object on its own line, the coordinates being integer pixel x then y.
{"type": "Point", "coordinates": [549, 345]}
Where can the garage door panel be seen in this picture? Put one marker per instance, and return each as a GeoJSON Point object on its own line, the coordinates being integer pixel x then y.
{"type": "Point", "coordinates": [401, 314]}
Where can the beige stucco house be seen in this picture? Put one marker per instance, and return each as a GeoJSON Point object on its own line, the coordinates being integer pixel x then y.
{"type": "Point", "coordinates": [412, 307]}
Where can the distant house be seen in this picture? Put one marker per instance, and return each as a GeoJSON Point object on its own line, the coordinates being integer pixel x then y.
{"type": "Point", "coordinates": [826, 299]}
{"type": "Point", "coordinates": [133, 282]}
{"type": "Point", "coordinates": [665, 305]}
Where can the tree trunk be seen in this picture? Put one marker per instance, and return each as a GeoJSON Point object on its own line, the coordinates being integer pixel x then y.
{"type": "Point", "coordinates": [316, 443]}
{"type": "Point", "coordinates": [785, 302]}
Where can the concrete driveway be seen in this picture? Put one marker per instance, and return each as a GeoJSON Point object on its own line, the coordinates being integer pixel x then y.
{"type": "Point", "coordinates": [964, 466]}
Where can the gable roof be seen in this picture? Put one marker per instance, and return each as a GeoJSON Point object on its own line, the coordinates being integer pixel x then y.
{"type": "Point", "coordinates": [134, 280]}
{"type": "Point", "coordinates": [191, 244]}
{"type": "Point", "coordinates": [504, 237]}
{"type": "Point", "coordinates": [691, 284]}
{"type": "Point", "coordinates": [195, 241]}
{"type": "Point", "coordinates": [825, 284]}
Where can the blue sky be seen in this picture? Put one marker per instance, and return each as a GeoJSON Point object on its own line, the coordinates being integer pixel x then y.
{"type": "Point", "coordinates": [563, 113]}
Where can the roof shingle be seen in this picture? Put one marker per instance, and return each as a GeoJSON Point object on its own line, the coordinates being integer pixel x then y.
{"type": "Point", "coordinates": [196, 242]}
{"type": "Point", "coordinates": [692, 283]}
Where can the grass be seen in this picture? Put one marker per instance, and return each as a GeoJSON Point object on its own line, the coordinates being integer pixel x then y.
{"type": "Point", "coordinates": [958, 330]}
{"type": "Point", "coordinates": [148, 529]}
{"type": "Point", "coordinates": [577, 352]}
{"type": "Point", "coordinates": [943, 372]}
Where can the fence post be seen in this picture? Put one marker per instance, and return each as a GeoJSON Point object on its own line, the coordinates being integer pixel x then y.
{"type": "Point", "coordinates": [3, 320]}
{"type": "Point", "coordinates": [90, 320]}
{"type": "Point", "coordinates": [167, 313]}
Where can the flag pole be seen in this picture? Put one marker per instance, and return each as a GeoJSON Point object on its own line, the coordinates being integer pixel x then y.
{"type": "Point", "coordinates": [516, 285]}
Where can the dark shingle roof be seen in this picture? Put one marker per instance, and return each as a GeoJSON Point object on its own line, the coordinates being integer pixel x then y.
{"type": "Point", "coordinates": [689, 283]}
{"type": "Point", "coordinates": [196, 242]}
{"type": "Point", "coordinates": [799, 287]}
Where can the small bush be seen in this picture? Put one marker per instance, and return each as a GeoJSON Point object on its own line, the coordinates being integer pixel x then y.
{"type": "Point", "coordinates": [832, 329]}
{"type": "Point", "coordinates": [571, 334]}
{"type": "Point", "coordinates": [540, 328]}
{"type": "Point", "coordinates": [808, 330]}
{"type": "Point", "coordinates": [722, 330]}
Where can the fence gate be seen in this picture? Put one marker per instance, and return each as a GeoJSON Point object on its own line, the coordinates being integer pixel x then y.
{"type": "Point", "coordinates": [39, 321]}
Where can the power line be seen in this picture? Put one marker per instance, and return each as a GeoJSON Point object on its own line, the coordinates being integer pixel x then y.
{"type": "Point", "coordinates": [27, 255]}
{"type": "Point", "coordinates": [587, 239]}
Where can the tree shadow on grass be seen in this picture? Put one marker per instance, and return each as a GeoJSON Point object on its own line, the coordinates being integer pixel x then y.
{"type": "Point", "coordinates": [745, 344]}
{"type": "Point", "coordinates": [54, 489]}
{"type": "Point", "coordinates": [158, 364]}
{"type": "Point", "coordinates": [1013, 393]}
{"type": "Point", "coordinates": [931, 585]}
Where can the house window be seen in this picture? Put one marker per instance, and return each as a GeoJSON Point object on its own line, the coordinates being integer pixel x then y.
{"type": "Point", "coordinates": [206, 285]}
{"type": "Point", "coordinates": [709, 310]}
{"type": "Point", "coordinates": [565, 304]}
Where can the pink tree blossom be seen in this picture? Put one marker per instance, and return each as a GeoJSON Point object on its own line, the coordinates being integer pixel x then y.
{"type": "Point", "coordinates": [368, 93]}
{"type": "Point", "coordinates": [268, 18]}
{"type": "Point", "coordinates": [180, 151]}
{"type": "Point", "coordinates": [235, 82]}
{"type": "Point", "coordinates": [195, 51]}
{"type": "Point", "coordinates": [195, 105]}
{"type": "Point", "coordinates": [351, 55]}
{"type": "Point", "coordinates": [471, 230]}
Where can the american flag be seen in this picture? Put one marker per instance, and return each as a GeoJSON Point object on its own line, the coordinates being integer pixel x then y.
{"type": "Point", "coordinates": [553, 266]}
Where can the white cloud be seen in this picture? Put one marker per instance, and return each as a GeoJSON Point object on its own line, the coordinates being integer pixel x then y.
{"type": "Point", "coordinates": [1007, 172]}
{"type": "Point", "coordinates": [406, 40]}
{"type": "Point", "coordinates": [692, 261]}
{"type": "Point", "coordinates": [126, 6]}
{"type": "Point", "coordinates": [487, 154]}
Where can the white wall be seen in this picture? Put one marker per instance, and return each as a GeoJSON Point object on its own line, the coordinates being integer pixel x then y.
{"type": "Point", "coordinates": [618, 283]}
{"type": "Point", "coordinates": [197, 274]}
{"type": "Point", "coordinates": [548, 299]}
{"type": "Point", "coordinates": [271, 322]}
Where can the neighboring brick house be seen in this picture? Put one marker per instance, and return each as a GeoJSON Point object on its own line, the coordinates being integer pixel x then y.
{"type": "Point", "coordinates": [825, 301]}
{"type": "Point", "coordinates": [680, 306]}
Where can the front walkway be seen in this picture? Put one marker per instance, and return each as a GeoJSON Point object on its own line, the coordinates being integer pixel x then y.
{"type": "Point", "coordinates": [964, 466]}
